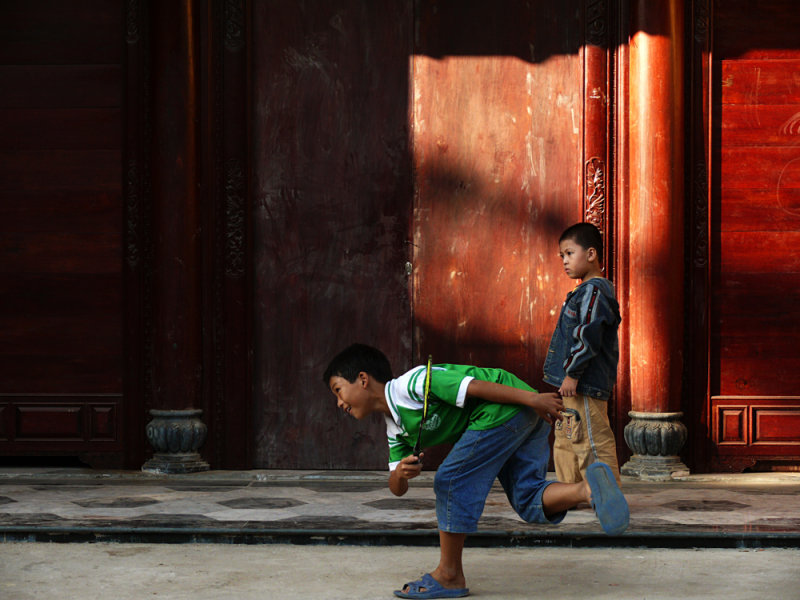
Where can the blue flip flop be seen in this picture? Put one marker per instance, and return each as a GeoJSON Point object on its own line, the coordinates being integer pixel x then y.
{"type": "Point", "coordinates": [433, 589]}
{"type": "Point", "coordinates": [608, 501]}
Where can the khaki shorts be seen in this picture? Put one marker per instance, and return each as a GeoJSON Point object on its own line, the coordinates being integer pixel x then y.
{"type": "Point", "coordinates": [572, 450]}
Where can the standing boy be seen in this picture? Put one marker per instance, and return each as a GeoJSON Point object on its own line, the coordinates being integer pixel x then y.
{"type": "Point", "coordinates": [499, 426]}
{"type": "Point", "coordinates": [582, 358]}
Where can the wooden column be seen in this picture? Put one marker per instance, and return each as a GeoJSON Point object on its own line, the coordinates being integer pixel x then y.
{"type": "Point", "coordinates": [656, 156]}
{"type": "Point", "coordinates": [176, 431]}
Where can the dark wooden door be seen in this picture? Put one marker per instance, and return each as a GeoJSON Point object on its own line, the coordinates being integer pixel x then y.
{"type": "Point", "coordinates": [445, 135]}
{"type": "Point", "coordinates": [332, 200]}
{"type": "Point", "coordinates": [442, 135]}
{"type": "Point", "coordinates": [61, 346]}
{"type": "Point", "coordinates": [755, 235]}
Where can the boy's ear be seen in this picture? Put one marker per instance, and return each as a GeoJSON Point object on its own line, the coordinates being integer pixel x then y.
{"type": "Point", "coordinates": [592, 252]}
{"type": "Point", "coordinates": [364, 378]}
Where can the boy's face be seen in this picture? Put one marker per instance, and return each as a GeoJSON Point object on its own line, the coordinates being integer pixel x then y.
{"type": "Point", "coordinates": [577, 260]}
{"type": "Point", "coordinates": [352, 398]}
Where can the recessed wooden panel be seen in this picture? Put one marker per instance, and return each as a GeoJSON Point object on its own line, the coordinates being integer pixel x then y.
{"type": "Point", "coordinates": [731, 424]}
{"type": "Point", "coordinates": [103, 423]}
{"type": "Point", "coordinates": [776, 425]}
{"type": "Point", "coordinates": [49, 422]}
{"type": "Point", "coordinates": [60, 422]}
{"type": "Point", "coordinates": [748, 428]}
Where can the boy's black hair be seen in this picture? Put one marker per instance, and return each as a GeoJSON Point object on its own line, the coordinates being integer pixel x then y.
{"type": "Point", "coordinates": [586, 236]}
{"type": "Point", "coordinates": [356, 358]}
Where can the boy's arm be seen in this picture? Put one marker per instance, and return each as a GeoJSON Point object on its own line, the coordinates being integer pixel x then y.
{"type": "Point", "coordinates": [568, 387]}
{"type": "Point", "coordinates": [408, 468]}
{"type": "Point", "coordinates": [594, 314]}
{"type": "Point", "coordinates": [548, 405]}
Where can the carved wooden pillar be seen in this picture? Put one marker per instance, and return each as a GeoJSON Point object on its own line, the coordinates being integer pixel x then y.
{"type": "Point", "coordinates": [176, 431]}
{"type": "Point", "coordinates": [655, 434]}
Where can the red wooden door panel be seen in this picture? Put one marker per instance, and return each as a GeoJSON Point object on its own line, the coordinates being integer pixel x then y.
{"type": "Point", "coordinates": [61, 229]}
{"type": "Point", "coordinates": [498, 134]}
{"type": "Point", "coordinates": [755, 229]}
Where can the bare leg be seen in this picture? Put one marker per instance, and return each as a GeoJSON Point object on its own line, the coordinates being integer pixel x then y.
{"type": "Point", "coordinates": [450, 572]}
{"type": "Point", "coordinates": [558, 497]}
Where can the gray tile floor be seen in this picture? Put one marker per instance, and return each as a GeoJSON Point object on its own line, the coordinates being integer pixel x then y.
{"type": "Point", "coordinates": [357, 507]}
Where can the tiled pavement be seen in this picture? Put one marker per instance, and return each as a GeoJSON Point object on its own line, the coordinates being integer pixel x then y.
{"type": "Point", "coordinates": [757, 510]}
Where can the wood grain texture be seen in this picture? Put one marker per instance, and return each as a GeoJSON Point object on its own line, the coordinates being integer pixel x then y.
{"type": "Point", "coordinates": [755, 228]}
{"type": "Point", "coordinates": [331, 216]}
{"type": "Point", "coordinates": [656, 207]}
{"type": "Point", "coordinates": [61, 227]}
{"type": "Point", "coordinates": [498, 135]}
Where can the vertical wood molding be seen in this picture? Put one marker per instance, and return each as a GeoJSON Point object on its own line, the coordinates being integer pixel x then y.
{"type": "Point", "coordinates": [596, 121]}
{"type": "Point", "coordinates": [228, 389]}
{"type": "Point", "coordinates": [697, 246]}
{"type": "Point", "coordinates": [136, 264]}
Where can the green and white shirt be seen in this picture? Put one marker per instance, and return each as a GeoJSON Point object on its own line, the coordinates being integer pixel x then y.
{"type": "Point", "coordinates": [450, 411]}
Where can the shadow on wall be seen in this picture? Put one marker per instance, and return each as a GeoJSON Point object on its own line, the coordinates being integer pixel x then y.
{"type": "Point", "coordinates": [343, 199]}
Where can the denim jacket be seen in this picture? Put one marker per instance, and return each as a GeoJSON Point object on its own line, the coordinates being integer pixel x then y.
{"type": "Point", "coordinates": [584, 344]}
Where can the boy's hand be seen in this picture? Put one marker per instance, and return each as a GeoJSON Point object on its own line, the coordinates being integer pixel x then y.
{"type": "Point", "coordinates": [548, 406]}
{"type": "Point", "coordinates": [410, 466]}
{"type": "Point", "coordinates": [568, 386]}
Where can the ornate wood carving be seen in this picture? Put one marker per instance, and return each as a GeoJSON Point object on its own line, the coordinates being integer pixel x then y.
{"type": "Point", "coordinates": [701, 21]}
{"type": "Point", "coordinates": [228, 389]}
{"type": "Point", "coordinates": [596, 121]}
{"type": "Point", "coordinates": [132, 21]}
{"type": "Point", "coordinates": [138, 236]}
{"type": "Point", "coordinates": [596, 23]}
{"type": "Point", "coordinates": [132, 214]}
{"type": "Point", "coordinates": [700, 237]}
{"type": "Point", "coordinates": [234, 217]}
{"type": "Point", "coordinates": [595, 202]}
{"type": "Point", "coordinates": [234, 25]}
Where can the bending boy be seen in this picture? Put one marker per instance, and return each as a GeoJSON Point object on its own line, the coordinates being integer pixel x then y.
{"type": "Point", "coordinates": [499, 426]}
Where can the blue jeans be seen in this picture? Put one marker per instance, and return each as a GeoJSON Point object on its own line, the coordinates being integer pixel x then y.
{"type": "Point", "coordinates": [516, 453]}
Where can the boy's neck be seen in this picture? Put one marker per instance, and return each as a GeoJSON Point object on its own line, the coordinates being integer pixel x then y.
{"type": "Point", "coordinates": [593, 274]}
{"type": "Point", "coordinates": [377, 392]}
